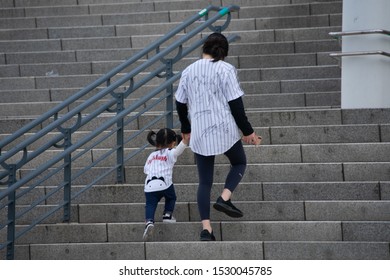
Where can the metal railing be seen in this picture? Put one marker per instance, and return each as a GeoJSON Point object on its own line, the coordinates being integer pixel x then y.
{"type": "Point", "coordinates": [359, 53]}
{"type": "Point", "coordinates": [339, 35]}
{"type": "Point", "coordinates": [102, 105]}
{"type": "Point", "coordinates": [359, 32]}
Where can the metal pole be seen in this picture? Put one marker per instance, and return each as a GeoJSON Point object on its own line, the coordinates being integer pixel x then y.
{"type": "Point", "coordinates": [120, 173]}
{"type": "Point", "coordinates": [11, 215]}
{"type": "Point", "coordinates": [67, 174]}
{"type": "Point", "coordinates": [169, 99]}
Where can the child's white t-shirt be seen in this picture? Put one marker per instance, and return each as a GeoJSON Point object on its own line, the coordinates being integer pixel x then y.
{"type": "Point", "coordinates": [160, 164]}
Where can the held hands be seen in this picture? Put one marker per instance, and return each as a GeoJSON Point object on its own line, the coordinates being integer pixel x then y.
{"type": "Point", "coordinates": [186, 138]}
{"type": "Point", "coordinates": [252, 139]}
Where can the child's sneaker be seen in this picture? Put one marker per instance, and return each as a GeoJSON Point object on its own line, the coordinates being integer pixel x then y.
{"type": "Point", "coordinates": [148, 232]}
{"type": "Point", "coordinates": [168, 218]}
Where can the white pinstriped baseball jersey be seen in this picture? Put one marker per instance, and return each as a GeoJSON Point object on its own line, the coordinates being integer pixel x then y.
{"type": "Point", "coordinates": [207, 87]}
{"type": "Point", "coordinates": [160, 164]}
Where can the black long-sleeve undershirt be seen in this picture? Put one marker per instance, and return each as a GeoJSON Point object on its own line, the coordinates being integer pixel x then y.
{"type": "Point", "coordinates": [239, 115]}
{"type": "Point", "coordinates": [182, 111]}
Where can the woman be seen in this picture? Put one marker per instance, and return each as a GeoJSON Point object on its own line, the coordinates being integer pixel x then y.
{"type": "Point", "coordinates": [209, 91]}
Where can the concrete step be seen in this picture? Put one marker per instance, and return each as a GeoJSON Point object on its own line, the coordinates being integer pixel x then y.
{"type": "Point", "coordinates": [264, 172]}
{"type": "Point", "coordinates": [285, 60]}
{"type": "Point", "coordinates": [281, 213]}
{"type": "Point", "coordinates": [108, 30]}
{"type": "Point", "coordinates": [277, 101]}
{"type": "Point", "coordinates": [322, 125]}
{"type": "Point", "coordinates": [291, 10]}
{"type": "Point", "coordinates": [64, 44]}
{"type": "Point", "coordinates": [71, 82]}
{"type": "Point", "coordinates": [258, 118]}
{"type": "Point", "coordinates": [310, 85]}
{"type": "Point", "coordinates": [330, 123]}
{"type": "Point", "coordinates": [351, 246]}
{"type": "Point", "coordinates": [136, 250]}
{"type": "Point", "coordinates": [140, 41]}
{"type": "Point", "coordinates": [306, 153]}
{"type": "Point", "coordinates": [312, 153]}
{"type": "Point", "coordinates": [273, 100]}
{"type": "Point", "coordinates": [16, 108]}
{"type": "Point", "coordinates": [325, 191]}
{"type": "Point", "coordinates": [332, 99]}
{"type": "Point", "coordinates": [267, 191]}
{"type": "Point", "coordinates": [346, 153]}
{"type": "Point", "coordinates": [26, 3]}
{"type": "Point", "coordinates": [74, 20]}
{"type": "Point", "coordinates": [345, 231]}
{"type": "Point", "coordinates": [281, 68]}
{"type": "Point", "coordinates": [299, 21]}
{"type": "Point", "coordinates": [277, 250]}
{"type": "Point", "coordinates": [323, 134]}
{"type": "Point", "coordinates": [247, 36]}
{"type": "Point", "coordinates": [120, 54]}
{"type": "Point", "coordinates": [326, 250]}
{"type": "Point", "coordinates": [321, 88]}
{"type": "Point", "coordinates": [296, 73]}
{"type": "Point", "coordinates": [326, 134]}
{"type": "Point", "coordinates": [109, 8]}
{"type": "Point", "coordinates": [151, 17]}
{"type": "Point", "coordinates": [253, 211]}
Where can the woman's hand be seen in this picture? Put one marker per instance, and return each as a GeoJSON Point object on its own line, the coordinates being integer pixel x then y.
{"type": "Point", "coordinates": [186, 138]}
{"type": "Point", "coordinates": [252, 139]}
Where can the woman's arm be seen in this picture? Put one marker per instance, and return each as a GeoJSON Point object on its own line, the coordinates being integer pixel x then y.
{"type": "Point", "coordinates": [182, 111]}
{"type": "Point", "coordinates": [239, 115]}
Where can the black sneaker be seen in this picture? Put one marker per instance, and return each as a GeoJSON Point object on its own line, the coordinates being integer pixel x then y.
{"type": "Point", "coordinates": [228, 208]}
{"type": "Point", "coordinates": [205, 235]}
{"type": "Point", "coordinates": [148, 232]}
{"type": "Point", "coordinates": [168, 218]}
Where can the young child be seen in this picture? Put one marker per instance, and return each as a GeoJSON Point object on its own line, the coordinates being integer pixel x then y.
{"type": "Point", "coordinates": [158, 169]}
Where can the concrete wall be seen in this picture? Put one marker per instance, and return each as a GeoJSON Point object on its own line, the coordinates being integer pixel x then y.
{"type": "Point", "coordinates": [365, 78]}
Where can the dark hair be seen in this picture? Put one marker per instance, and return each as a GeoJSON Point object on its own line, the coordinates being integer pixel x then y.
{"type": "Point", "coordinates": [163, 138]}
{"type": "Point", "coordinates": [217, 46]}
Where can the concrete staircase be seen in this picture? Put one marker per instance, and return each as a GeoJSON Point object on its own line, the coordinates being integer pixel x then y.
{"type": "Point", "coordinates": [318, 187]}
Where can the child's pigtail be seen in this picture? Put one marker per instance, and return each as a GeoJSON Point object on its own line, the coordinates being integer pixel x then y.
{"type": "Point", "coordinates": [152, 138]}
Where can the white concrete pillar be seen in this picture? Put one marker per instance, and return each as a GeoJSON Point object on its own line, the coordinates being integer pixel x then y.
{"type": "Point", "coordinates": [365, 79]}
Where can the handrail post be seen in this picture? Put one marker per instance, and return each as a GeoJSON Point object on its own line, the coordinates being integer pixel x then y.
{"type": "Point", "coordinates": [67, 174]}
{"type": "Point", "coordinates": [120, 150]}
{"type": "Point", "coordinates": [11, 214]}
{"type": "Point", "coordinates": [169, 90]}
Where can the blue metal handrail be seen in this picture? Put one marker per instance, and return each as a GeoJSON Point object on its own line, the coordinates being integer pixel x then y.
{"type": "Point", "coordinates": [114, 103]}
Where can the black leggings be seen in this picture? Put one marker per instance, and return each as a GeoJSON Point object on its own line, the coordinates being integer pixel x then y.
{"type": "Point", "coordinates": [205, 164]}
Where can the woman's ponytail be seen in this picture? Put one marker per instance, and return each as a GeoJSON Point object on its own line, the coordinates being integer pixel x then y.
{"type": "Point", "coordinates": [217, 46]}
